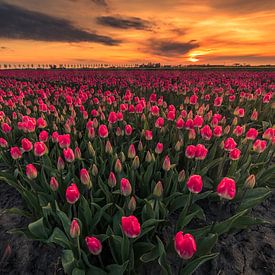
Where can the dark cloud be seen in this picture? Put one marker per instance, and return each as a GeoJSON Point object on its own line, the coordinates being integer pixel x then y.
{"type": "Point", "coordinates": [100, 2]}
{"type": "Point", "coordinates": [19, 23]}
{"type": "Point", "coordinates": [171, 48]}
{"type": "Point", "coordinates": [123, 22]}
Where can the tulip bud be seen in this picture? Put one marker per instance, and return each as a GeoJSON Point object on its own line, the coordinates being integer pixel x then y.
{"type": "Point", "coordinates": [148, 157]}
{"type": "Point", "coordinates": [60, 164]}
{"type": "Point", "coordinates": [132, 204]}
{"type": "Point", "coordinates": [122, 157]}
{"type": "Point", "coordinates": [77, 153]}
{"type": "Point", "coordinates": [159, 148]}
{"type": "Point", "coordinates": [85, 177]}
{"type": "Point", "coordinates": [112, 180]}
{"type": "Point", "coordinates": [192, 134]}
{"type": "Point", "coordinates": [131, 151]}
{"type": "Point", "coordinates": [54, 184]}
{"type": "Point", "coordinates": [108, 147]}
{"type": "Point", "coordinates": [91, 149]}
{"type": "Point", "coordinates": [94, 170]}
{"type": "Point", "coordinates": [118, 166]}
{"type": "Point", "coordinates": [140, 146]}
{"type": "Point", "coordinates": [185, 245]}
{"type": "Point", "coordinates": [166, 164]}
{"type": "Point", "coordinates": [125, 187]}
{"type": "Point", "coordinates": [31, 171]}
{"type": "Point", "coordinates": [181, 176]}
{"type": "Point", "coordinates": [158, 189]}
{"type": "Point", "coordinates": [227, 129]}
{"type": "Point", "coordinates": [74, 229]}
{"type": "Point", "coordinates": [135, 163]}
{"type": "Point", "coordinates": [235, 121]}
{"type": "Point", "coordinates": [94, 245]}
{"type": "Point", "coordinates": [178, 145]}
{"type": "Point", "coordinates": [250, 182]}
{"type": "Point", "coordinates": [130, 226]}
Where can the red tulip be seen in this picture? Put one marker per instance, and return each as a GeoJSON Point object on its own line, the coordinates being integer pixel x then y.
{"type": "Point", "coordinates": [259, 146]}
{"type": "Point", "coordinates": [3, 143]}
{"type": "Point", "coordinates": [252, 134]}
{"type": "Point", "coordinates": [185, 245]}
{"type": "Point", "coordinates": [31, 171]}
{"type": "Point", "coordinates": [159, 148]}
{"type": "Point", "coordinates": [190, 151]}
{"type": "Point", "coordinates": [194, 184]}
{"type": "Point", "coordinates": [6, 128]}
{"type": "Point", "coordinates": [112, 117]}
{"type": "Point", "coordinates": [26, 145]}
{"type": "Point", "coordinates": [125, 187]}
{"type": "Point", "coordinates": [229, 144]}
{"type": "Point", "coordinates": [206, 132]}
{"type": "Point", "coordinates": [15, 153]}
{"type": "Point", "coordinates": [128, 130]}
{"type": "Point", "coordinates": [103, 131]}
{"type": "Point", "coordinates": [94, 245]}
{"type": "Point", "coordinates": [43, 136]}
{"type": "Point", "coordinates": [68, 155]}
{"type": "Point", "coordinates": [198, 121]}
{"type": "Point", "coordinates": [227, 188]}
{"type": "Point", "coordinates": [217, 132]}
{"type": "Point", "coordinates": [148, 135]}
{"type": "Point", "coordinates": [72, 194]}
{"type": "Point", "coordinates": [64, 141]}
{"type": "Point", "coordinates": [130, 226]}
{"type": "Point", "coordinates": [201, 152]}
{"type": "Point", "coordinates": [235, 154]}
{"type": "Point", "coordinates": [40, 149]}
{"type": "Point", "coordinates": [159, 122]}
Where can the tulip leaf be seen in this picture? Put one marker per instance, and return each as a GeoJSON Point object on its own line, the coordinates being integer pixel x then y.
{"type": "Point", "coordinates": [77, 271]}
{"type": "Point", "coordinates": [206, 244]}
{"type": "Point", "coordinates": [59, 238]}
{"type": "Point", "coordinates": [38, 229]}
{"type": "Point", "coordinates": [254, 197]}
{"type": "Point", "coordinates": [68, 261]}
{"type": "Point", "coordinates": [225, 226]}
{"type": "Point", "coordinates": [210, 165]}
{"type": "Point", "coordinates": [193, 265]}
{"type": "Point", "coordinates": [115, 269]}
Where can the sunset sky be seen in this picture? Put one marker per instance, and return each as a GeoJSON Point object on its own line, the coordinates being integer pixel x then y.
{"type": "Point", "coordinates": [137, 31]}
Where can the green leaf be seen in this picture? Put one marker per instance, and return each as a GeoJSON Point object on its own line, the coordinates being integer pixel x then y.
{"type": "Point", "coordinates": [151, 256]}
{"type": "Point", "coordinates": [151, 222]}
{"type": "Point", "coordinates": [225, 226]}
{"type": "Point", "coordinates": [17, 211]}
{"type": "Point", "coordinates": [59, 238]}
{"type": "Point", "coordinates": [68, 261]}
{"type": "Point", "coordinates": [254, 197]}
{"type": "Point", "coordinates": [247, 221]}
{"type": "Point", "coordinates": [115, 269]}
{"type": "Point", "coordinates": [38, 229]}
{"type": "Point", "coordinates": [125, 248]}
{"type": "Point", "coordinates": [193, 265]}
{"type": "Point", "coordinates": [210, 165]}
{"type": "Point", "coordinates": [206, 244]}
{"type": "Point", "coordinates": [78, 271]}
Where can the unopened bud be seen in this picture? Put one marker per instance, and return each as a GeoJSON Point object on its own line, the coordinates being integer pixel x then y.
{"type": "Point", "coordinates": [108, 147]}
{"type": "Point", "coordinates": [140, 146]}
{"type": "Point", "coordinates": [94, 170]}
{"type": "Point", "coordinates": [112, 180]}
{"type": "Point", "coordinates": [118, 166]}
{"type": "Point", "coordinates": [135, 163]}
{"type": "Point", "coordinates": [148, 157]}
{"type": "Point", "coordinates": [181, 176]}
{"type": "Point", "coordinates": [54, 184]}
{"type": "Point", "coordinates": [77, 153]}
{"type": "Point", "coordinates": [131, 151]}
{"type": "Point", "coordinates": [60, 164]}
{"type": "Point", "coordinates": [74, 229]}
{"type": "Point", "coordinates": [91, 149]}
{"type": "Point", "coordinates": [166, 164]}
{"type": "Point", "coordinates": [158, 189]}
{"type": "Point", "coordinates": [132, 204]}
{"type": "Point", "coordinates": [250, 182]}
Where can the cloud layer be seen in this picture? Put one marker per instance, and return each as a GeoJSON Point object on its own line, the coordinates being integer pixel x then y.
{"type": "Point", "coordinates": [19, 23]}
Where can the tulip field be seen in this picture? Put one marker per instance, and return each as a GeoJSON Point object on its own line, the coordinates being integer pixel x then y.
{"type": "Point", "coordinates": [117, 168]}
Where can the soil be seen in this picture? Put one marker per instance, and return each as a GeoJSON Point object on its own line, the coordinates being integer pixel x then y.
{"type": "Point", "coordinates": [247, 252]}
